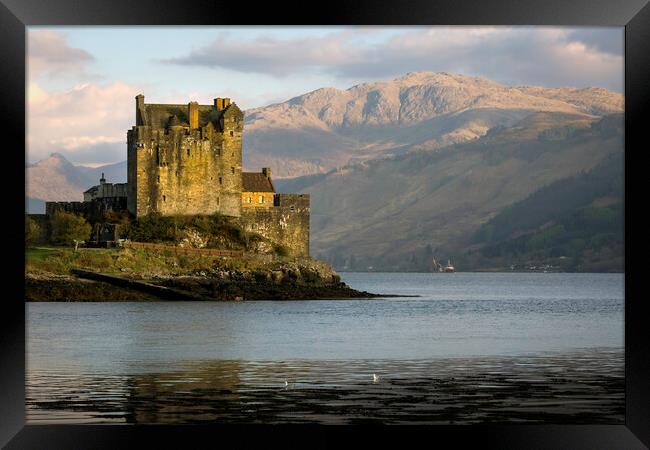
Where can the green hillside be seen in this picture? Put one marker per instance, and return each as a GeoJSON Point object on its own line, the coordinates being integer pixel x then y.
{"type": "Point", "coordinates": [573, 224]}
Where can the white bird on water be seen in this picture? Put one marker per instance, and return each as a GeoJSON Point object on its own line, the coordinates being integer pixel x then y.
{"type": "Point", "coordinates": [286, 383]}
{"type": "Point", "coordinates": [375, 378]}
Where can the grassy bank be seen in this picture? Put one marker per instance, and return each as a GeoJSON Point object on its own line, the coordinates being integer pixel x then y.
{"type": "Point", "coordinates": [138, 262]}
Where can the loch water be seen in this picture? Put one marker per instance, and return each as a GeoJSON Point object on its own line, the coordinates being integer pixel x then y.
{"type": "Point", "coordinates": [466, 348]}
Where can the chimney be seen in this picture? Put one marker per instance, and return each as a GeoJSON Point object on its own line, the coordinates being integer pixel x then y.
{"type": "Point", "coordinates": [267, 172]}
{"type": "Point", "coordinates": [102, 180]}
{"type": "Point", "coordinates": [218, 104]}
{"type": "Point", "coordinates": [193, 114]}
{"type": "Point", "coordinates": [139, 109]}
{"type": "Point", "coordinates": [226, 103]}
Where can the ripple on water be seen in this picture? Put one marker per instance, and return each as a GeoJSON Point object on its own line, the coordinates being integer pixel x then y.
{"type": "Point", "coordinates": [454, 390]}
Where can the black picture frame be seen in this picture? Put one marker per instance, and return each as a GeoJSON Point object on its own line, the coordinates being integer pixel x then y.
{"type": "Point", "coordinates": [15, 15]}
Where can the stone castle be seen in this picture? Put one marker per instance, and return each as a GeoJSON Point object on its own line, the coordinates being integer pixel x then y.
{"type": "Point", "coordinates": [186, 160]}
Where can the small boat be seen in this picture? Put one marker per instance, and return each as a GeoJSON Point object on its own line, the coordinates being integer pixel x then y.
{"type": "Point", "coordinates": [437, 267]}
{"type": "Point", "coordinates": [449, 268]}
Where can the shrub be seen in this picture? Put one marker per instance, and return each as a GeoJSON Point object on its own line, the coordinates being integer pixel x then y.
{"type": "Point", "coordinates": [32, 231]}
{"type": "Point", "coordinates": [68, 227]}
{"type": "Point", "coordinates": [152, 228]}
{"type": "Point", "coordinates": [220, 231]}
{"type": "Point", "coordinates": [281, 250]}
{"type": "Point", "coordinates": [120, 218]}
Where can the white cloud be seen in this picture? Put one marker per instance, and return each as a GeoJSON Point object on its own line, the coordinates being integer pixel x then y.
{"type": "Point", "coordinates": [49, 54]}
{"type": "Point", "coordinates": [87, 123]}
{"type": "Point", "coordinates": [514, 55]}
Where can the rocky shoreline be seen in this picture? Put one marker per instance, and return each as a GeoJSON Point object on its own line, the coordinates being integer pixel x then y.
{"type": "Point", "coordinates": [48, 287]}
{"type": "Point", "coordinates": [289, 281]}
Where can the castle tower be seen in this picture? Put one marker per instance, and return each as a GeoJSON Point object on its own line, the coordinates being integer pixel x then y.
{"type": "Point", "coordinates": [185, 158]}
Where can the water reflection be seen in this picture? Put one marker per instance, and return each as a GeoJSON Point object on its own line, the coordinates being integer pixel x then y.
{"type": "Point", "coordinates": [577, 387]}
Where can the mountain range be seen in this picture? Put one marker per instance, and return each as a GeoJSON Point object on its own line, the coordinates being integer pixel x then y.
{"type": "Point", "coordinates": [329, 128]}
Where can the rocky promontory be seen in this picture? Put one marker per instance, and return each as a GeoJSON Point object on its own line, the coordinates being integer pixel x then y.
{"type": "Point", "coordinates": [308, 279]}
{"type": "Point", "coordinates": [61, 274]}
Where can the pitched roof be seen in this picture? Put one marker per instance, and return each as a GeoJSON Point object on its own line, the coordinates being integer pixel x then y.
{"type": "Point", "coordinates": [256, 182]}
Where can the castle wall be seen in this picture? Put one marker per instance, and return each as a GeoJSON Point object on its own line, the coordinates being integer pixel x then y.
{"type": "Point", "coordinates": [91, 211]}
{"type": "Point", "coordinates": [131, 171]}
{"type": "Point", "coordinates": [252, 199]}
{"type": "Point", "coordinates": [286, 223]}
{"type": "Point", "coordinates": [106, 190]}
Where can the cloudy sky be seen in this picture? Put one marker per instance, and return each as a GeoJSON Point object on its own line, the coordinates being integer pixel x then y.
{"type": "Point", "coordinates": [82, 80]}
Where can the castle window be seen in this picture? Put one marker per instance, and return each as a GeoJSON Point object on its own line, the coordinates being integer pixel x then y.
{"type": "Point", "coordinates": [232, 169]}
{"type": "Point", "coordinates": [158, 178]}
{"type": "Point", "coordinates": [164, 198]}
{"type": "Point", "coordinates": [217, 200]}
{"type": "Point", "coordinates": [232, 133]}
{"type": "Point", "coordinates": [261, 199]}
{"type": "Point", "coordinates": [220, 180]}
{"type": "Point", "coordinates": [249, 199]}
{"type": "Point", "coordinates": [292, 208]}
{"type": "Point", "coordinates": [188, 152]}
